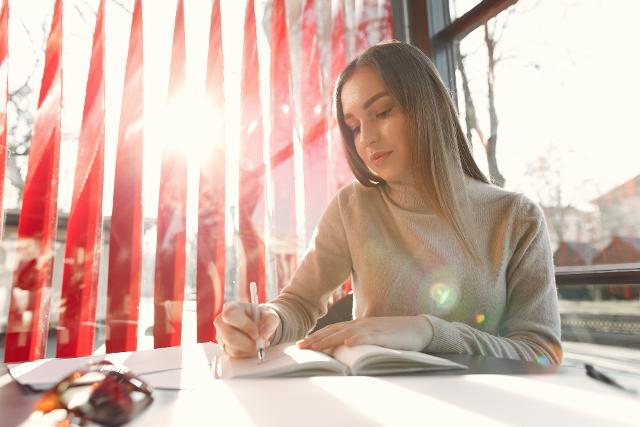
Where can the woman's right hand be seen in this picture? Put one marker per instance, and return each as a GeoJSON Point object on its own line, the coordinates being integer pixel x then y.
{"type": "Point", "coordinates": [237, 332]}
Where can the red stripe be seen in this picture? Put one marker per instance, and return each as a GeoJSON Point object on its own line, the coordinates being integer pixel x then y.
{"type": "Point", "coordinates": [340, 173]}
{"type": "Point", "coordinates": [211, 216]}
{"type": "Point", "coordinates": [314, 125]}
{"type": "Point", "coordinates": [251, 158]}
{"type": "Point", "coordinates": [28, 319]}
{"type": "Point", "coordinates": [283, 227]}
{"type": "Point", "coordinates": [125, 239]}
{"type": "Point", "coordinates": [362, 22]}
{"type": "Point", "coordinates": [4, 97]}
{"type": "Point", "coordinates": [172, 205]}
{"type": "Point", "coordinates": [82, 253]}
{"type": "Point", "coordinates": [386, 21]}
{"type": "Point", "coordinates": [374, 25]}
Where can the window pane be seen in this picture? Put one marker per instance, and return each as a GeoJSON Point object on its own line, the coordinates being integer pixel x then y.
{"type": "Point", "coordinates": [552, 85]}
{"type": "Point", "coordinates": [458, 8]}
{"type": "Point", "coordinates": [596, 314]}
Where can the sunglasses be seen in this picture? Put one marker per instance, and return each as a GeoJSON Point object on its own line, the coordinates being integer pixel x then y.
{"type": "Point", "coordinates": [101, 392]}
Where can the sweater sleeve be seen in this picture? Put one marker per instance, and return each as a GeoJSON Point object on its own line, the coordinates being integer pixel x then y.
{"type": "Point", "coordinates": [325, 266]}
{"type": "Point", "coordinates": [531, 323]}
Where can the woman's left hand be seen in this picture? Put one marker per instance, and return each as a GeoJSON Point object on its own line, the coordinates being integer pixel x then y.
{"type": "Point", "coordinates": [400, 333]}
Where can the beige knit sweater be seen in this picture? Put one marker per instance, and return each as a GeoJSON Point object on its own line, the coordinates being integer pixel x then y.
{"type": "Point", "coordinates": [404, 261]}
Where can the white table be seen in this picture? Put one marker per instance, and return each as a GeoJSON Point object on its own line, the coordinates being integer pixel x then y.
{"type": "Point", "coordinates": [510, 397]}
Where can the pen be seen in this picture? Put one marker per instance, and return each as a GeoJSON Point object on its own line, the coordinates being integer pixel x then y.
{"type": "Point", "coordinates": [597, 375]}
{"type": "Point", "coordinates": [256, 318]}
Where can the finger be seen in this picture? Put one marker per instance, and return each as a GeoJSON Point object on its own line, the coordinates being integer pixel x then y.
{"type": "Point", "coordinates": [235, 341]}
{"type": "Point", "coordinates": [333, 340]}
{"type": "Point", "coordinates": [238, 316]}
{"type": "Point", "coordinates": [321, 334]}
{"type": "Point", "coordinates": [269, 322]}
{"type": "Point", "coordinates": [359, 339]}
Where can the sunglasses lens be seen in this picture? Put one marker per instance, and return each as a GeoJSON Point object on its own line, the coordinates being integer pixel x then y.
{"type": "Point", "coordinates": [111, 402]}
{"type": "Point", "coordinates": [101, 394]}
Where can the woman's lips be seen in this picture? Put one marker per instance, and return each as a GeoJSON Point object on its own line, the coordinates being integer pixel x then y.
{"type": "Point", "coordinates": [379, 157]}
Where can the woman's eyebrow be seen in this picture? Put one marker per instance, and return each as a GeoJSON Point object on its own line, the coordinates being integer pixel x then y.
{"type": "Point", "coordinates": [368, 102]}
{"type": "Point", "coordinates": [373, 99]}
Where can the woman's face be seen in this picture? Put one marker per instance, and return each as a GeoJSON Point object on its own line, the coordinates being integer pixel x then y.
{"type": "Point", "coordinates": [380, 126]}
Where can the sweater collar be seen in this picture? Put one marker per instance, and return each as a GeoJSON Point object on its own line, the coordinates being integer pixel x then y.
{"type": "Point", "coordinates": [405, 196]}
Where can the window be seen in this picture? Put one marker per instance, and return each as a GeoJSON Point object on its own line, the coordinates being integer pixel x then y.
{"type": "Point", "coordinates": [547, 93]}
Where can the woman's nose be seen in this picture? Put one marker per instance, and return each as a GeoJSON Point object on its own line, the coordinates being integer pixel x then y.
{"type": "Point", "coordinates": [368, 134]}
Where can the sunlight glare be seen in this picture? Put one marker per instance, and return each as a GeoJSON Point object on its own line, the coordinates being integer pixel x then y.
{"type": "Point", "coordinates": [584, 401]}
{"type": "Point", "coordinates": [189, 126]}
{"type": "Point", "coordinates": [373, 401]}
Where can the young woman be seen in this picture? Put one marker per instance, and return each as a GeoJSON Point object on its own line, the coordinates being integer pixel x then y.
{"type": "Point", "coordinates": [441, 260]}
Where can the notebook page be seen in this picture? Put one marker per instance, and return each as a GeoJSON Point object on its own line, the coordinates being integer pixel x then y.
{"type": "Point", "coordinates": [372, 359]}
{"type": "Point", "coordinates": [284, 359]}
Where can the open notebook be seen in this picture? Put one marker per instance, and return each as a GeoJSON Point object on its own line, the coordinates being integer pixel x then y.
{"type": "Point", "coordinates": [287, 360]}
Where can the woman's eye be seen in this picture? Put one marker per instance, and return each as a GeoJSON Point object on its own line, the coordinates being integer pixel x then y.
{"type": "Point", "coordinates": [355, 130]}
{"type": "Point", "coordinates": [384, 113]}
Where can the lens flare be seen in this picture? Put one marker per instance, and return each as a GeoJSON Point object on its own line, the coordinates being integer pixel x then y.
{"type": "Point", "coordinates": [543, 360]}
{"type": "Point", "coordinates": [443, 295]}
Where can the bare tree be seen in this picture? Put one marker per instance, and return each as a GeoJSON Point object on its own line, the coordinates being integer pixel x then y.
{"type": "Point", "coordinates": [494, 30]}
{"type": "Point", "coordinates": [546, 177]}
{"type": "Point", "coordinates": [20, 99]}
{"type": "Point", "coordinates": [560, 199]}
{"type": "Point", "coordinates": [20, 132]}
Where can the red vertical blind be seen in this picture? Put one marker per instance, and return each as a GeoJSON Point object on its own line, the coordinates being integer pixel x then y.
{"type": "Point", "coordinates": [362, 24]}
{"type": "Point", "coordinates": [340, 173]}
{"type": "Point", "coordinates": [314, 125]}
{"type": "Point", "coordinates": [251, 161]}
{"type": "Point", "coordinates": [283, 235]}
{"type": "Point", "coordinates": [374, 23]}
{"type": "Point", "coordinates": [385, 15]}
{"type": "Point", "coordinates": [125, 237]}
{"type": "Point", "coordinates": [28, 320]}
{"type": "Point", "coordinates": [172, 207]}
{"type": "Point", "coordinates": [4, 97]}
{"type": "Point", "coordinates": [82, 253]}
{"type": "Point", "coordinates": [210, 273]}
{"type": "Point", "coordinates": [325, 170]}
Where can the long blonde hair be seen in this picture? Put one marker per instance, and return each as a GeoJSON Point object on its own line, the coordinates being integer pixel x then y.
{"type": "Point", "coordinates": [440, 152]}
